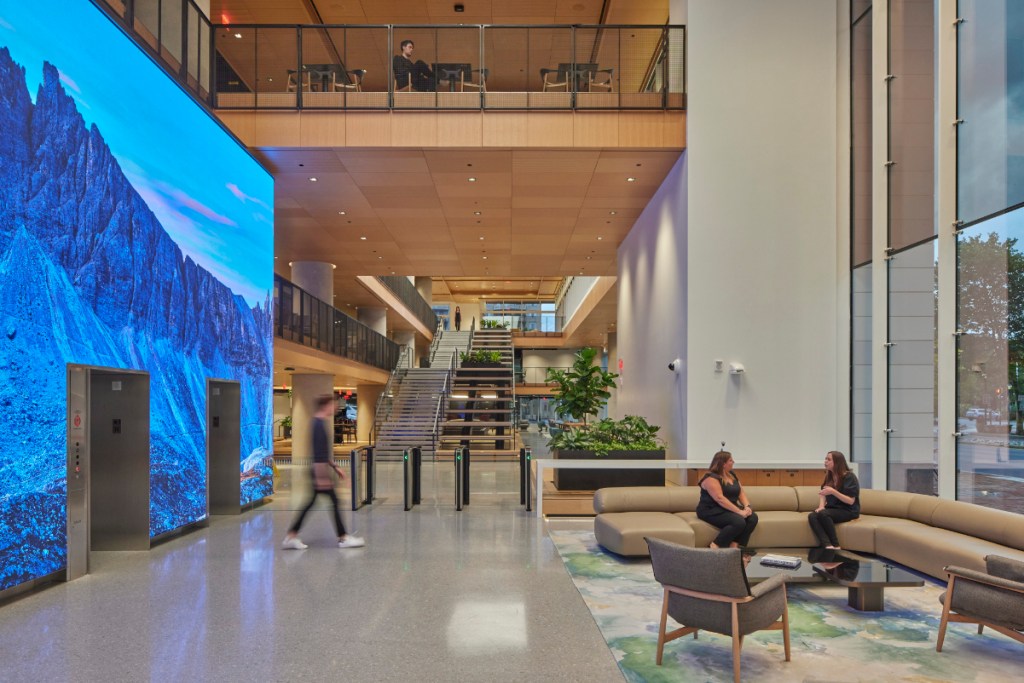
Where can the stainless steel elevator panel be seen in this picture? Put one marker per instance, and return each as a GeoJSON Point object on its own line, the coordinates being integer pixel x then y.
{"type": "Point", "coordinates": [118, 460]}
{"type": "Point", "coordinates": [223, 446]}
{"type": "Point", "coordinates": [77, 472]}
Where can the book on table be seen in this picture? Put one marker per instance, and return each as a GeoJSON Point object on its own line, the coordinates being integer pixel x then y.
{"type": "Point", "coordinates": [784, 561]}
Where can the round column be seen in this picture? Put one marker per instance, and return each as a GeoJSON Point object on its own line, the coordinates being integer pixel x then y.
{"type": "Point", "coordinates": [316, 277]}
{"type": "Point", "coordinates": [306, 389]}
{"type": "Point", "coordinates": [366, 408]}
{"type": "Point", "coordinates": [375, 318]}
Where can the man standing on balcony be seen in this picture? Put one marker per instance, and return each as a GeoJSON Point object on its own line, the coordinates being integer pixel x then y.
{"type": "Point", "coordinates": [417, 75]}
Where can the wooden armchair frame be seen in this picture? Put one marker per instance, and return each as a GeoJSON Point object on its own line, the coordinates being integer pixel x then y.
{"type": "Point", "coordinates": [948, 615]}
{"type": "Point", "coordinates": [737, 640]}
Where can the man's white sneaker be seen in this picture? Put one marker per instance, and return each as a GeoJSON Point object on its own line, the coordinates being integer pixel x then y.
{"type": "Point", "coordinates": [293, 543]}
{"type": "Point", "coordinates": [351, 542]}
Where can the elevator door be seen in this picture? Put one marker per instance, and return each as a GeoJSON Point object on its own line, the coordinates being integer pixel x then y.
{"type": "Point", "coordinates": [223, 446]}
{"type": "Point", "coordinates": [108, 463]}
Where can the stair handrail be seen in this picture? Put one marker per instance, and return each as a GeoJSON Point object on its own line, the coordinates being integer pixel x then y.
{"type": "Point", "coordinates": [385, 398]}
{"type": "Point", "coordinates": [441, 399]}
{"type": "Point", "coordinates": [436, 341]}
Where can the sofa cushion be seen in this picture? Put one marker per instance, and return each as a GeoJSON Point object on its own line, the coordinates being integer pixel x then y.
{"type": "Point", "coordinates": [922, 507]}
{"type": "Point", "coordinates": [624, 532]}
{"type": "Point", "coordinates": [885, 503]}
{"type": "Point", "coordinates": [775, 529]}
{"type": "Point", "coordinates": [807, 497]}
{"type": "Point", "coordinates": [929, 549]}
{"type": "Point", "coordinates": [989, 524]}
{"type": "Point", "coordinates": [859, 534]}
{"type": "Point", "coordinates": [771, 498]}
{"type": "Point", "coordinates": [646, 499]}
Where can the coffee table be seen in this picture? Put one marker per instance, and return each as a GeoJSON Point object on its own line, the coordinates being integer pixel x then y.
{"type": "Point", "coordinates": [865, 578]}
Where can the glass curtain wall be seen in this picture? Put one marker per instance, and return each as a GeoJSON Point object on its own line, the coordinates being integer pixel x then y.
{"type": "Point", "coordinates": [860, 251]}
{"type": "Point", "coordinates": [990, 263]}
{"type": "Point", "coordinates": [912, 446]}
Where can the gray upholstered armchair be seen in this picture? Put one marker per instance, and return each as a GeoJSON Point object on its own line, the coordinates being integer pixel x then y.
{"type": "Point", "coordinates": [993, 598]}
{"type": "Point", "coordinates": [707, 589]}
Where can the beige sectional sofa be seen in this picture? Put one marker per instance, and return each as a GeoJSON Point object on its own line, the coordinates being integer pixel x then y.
{"type": "Point", "coordinates": [918, 531]}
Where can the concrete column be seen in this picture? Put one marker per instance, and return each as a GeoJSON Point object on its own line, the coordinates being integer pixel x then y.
{"type": "Point", "coordinates": [374, 318]}
{"type": "Point", "coordinates": [366, 407]}
{"type": "Point", "coordinates": [425, 286]}
{"type": "Point", "coordinates": [316, 277]}
{"type": "Point", "coordinates": [407, 338]}
{"type": "Point", "coordinates": [306, 389]}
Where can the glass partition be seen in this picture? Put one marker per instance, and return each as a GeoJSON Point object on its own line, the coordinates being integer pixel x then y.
{"type": "Point", "coordinates": [912, 445]}
{"type": "Point", "coordinates": [451, 67]}
{"type": "Point", "coordinates": [990, 456]}
{"type": "Point", "coordinates": [990, 148]}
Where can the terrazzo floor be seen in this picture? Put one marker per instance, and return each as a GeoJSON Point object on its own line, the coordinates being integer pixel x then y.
{"type": "Point", "coordinates": [436, 595]}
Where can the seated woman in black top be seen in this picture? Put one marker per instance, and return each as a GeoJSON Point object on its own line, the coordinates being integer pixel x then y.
{"type": "Point", "coordinates": [838, 500]}
{"type": "Point", "coordinates": [723, 504]}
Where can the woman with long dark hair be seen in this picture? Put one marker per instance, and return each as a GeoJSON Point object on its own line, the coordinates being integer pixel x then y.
{"type": "Point", "coordinates": [724, 505]}
{"type": "Point", "coordinates": [838, 500]}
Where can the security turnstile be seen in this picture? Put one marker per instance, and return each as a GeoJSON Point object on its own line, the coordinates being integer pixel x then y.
{"type": "Point", "coordinates": [462, 458]}
{"type": "Point", "coordinates": [525, 460]}
{"type": "Point", "coordinates": [412, 461]}
{"type": "Point", "coordinates": [362, 476]}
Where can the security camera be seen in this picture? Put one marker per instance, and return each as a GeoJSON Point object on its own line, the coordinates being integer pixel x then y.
{"type": "Point", "coordinates": [675, 365]}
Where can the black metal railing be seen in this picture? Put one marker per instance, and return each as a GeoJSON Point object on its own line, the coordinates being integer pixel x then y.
{"type": "Point", "coordinates": [175, 32]}
{"type": "Point", "coordinates": [466, 67]}
{"type": "Point", "coordinates": [411, 298]}
{"type": "Point", "coordinates": [302, 318]}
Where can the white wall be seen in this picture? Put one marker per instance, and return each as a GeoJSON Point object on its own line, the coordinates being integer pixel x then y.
{"type": "Point", "coordinates": [734, 258]}
{"type": "Point", "coordinates": [651, 327]}
{"type": "Point", "coordinates": [762, 276]}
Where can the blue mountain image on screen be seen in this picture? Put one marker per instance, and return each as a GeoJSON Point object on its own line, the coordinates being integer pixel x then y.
{"type": "Point", "coordinates": [88, 275]}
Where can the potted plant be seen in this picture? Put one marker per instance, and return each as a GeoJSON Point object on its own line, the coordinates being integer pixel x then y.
{"type": "Point", "coordinates": [286, 426]}
{"type": "Point", "coordinates": [481, 358]}
{"type": "Point", "coordinates": [581, 392]}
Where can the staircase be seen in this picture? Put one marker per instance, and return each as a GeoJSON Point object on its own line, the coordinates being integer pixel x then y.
{"type": "Point", "coordinates": [449, 344]}
{"type": "Point", "coordinates": [481, 401]}
{"type": "Point", "coordinates": [407, 417]}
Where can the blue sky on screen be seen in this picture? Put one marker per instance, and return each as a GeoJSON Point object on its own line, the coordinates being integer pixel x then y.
{"type": "Point", "coordinates": [213, 199]}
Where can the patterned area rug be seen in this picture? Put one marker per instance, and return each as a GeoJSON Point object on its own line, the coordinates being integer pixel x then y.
{"type": "Point", "coordinates": [830, 641]}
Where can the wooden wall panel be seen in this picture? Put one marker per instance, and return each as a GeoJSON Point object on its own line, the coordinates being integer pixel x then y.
{"type": "Point", "coordinates": [414, 129]}
{"type": "Point", "coordinates": [368, 129]}
{"type": "Point", "coordinates": [596, 129]}
{"type": "Point", "coordinates": [322, 129]}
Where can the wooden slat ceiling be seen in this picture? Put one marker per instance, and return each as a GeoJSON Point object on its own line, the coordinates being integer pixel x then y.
{"type": "Point", "coordinates": [530, 216]}
{"type": "Point", "coordinates": [514, 56]}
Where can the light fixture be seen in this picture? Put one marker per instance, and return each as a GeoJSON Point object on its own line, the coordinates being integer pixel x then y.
{"type": "Point", "coordinates": [481, 238]}
{"type": "Point", "coordinates": [290, 264]}
{"type": "Point", "coordinates": [363, 238]}
{"type": "Point", "coordinates": [341, 213]}
{"type": "Point", "coordinates": [380, 258]}
{"type": "Point", "coordinates": [238, 35]}
{"type": "Point", "coordinates": [312, 179]}
{"type": "Point", "coordinates": [472, 180]}
{"type": "Point", "coordinates": [476, 213]}
{"type": "Point", "coordinates": [334, 266]}
{"type": "Point", "coordinates": [612, 213]}
{"type": "Point", "coordinates": [599, 237]}
{"type": "Point", "coordinates": [631, 179]}
{"type": "Point", "coordinates": [485, 258]}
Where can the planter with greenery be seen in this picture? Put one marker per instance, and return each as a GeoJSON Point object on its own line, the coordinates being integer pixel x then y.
{"type": "Point", "coordinates": [286, 426]}
{"type": "Point", "coordinates": [480, 358]}
{"type": "Point", "coordinates": [581, 392]}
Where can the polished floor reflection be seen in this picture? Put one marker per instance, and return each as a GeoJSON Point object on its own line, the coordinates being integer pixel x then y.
{"type": "Point", "coordinates": [477, 595]}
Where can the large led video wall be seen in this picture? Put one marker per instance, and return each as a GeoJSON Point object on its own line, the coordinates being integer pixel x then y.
{"type": "Point", "coordinates": [134, 233]}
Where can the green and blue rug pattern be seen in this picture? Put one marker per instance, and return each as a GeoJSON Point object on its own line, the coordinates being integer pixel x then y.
{"type": "Point", "coordinates": [830, 641]}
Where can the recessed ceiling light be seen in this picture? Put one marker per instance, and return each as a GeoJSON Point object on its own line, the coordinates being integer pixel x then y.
{"type": "Point", "coordinates": [290, 264]}
{"type": "Point", "coordinates": [485, 258]}
{"type": "Point", "coordinates": [275, 258]}
{"type": "Point", "coordinates": [238, 35]}
{"type": "Point", "coordinates": [631, 179]}
{"type": "Point", "coordinates": [599, 237]}
{"type": "Point", "coordinates": [588, 258]}
{"type": "Point", "coordinates": [612, 213]}
{"type": "Point", "coordinates": [472, 180]}
{"type": "Point", "coordinates": [476, 213]}
{"type": "Point", "coordinates": [312, 179]}
{"type": "Point", "coordinates": [334, 266]}
{"type": "Point", "coordinates": [481, 238]}
{"type": "Point", "coordinates": [380, 258]}
{"type": "Point", "coordinates": [341, 213]}
{"type": "Point", "coordinates": [363, 238]}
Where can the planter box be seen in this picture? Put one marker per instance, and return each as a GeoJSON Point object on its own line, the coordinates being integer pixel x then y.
{"type": "Point", "coordinates": [480, 364]}
{"type": "Point", "coordinates": [591, 480]}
